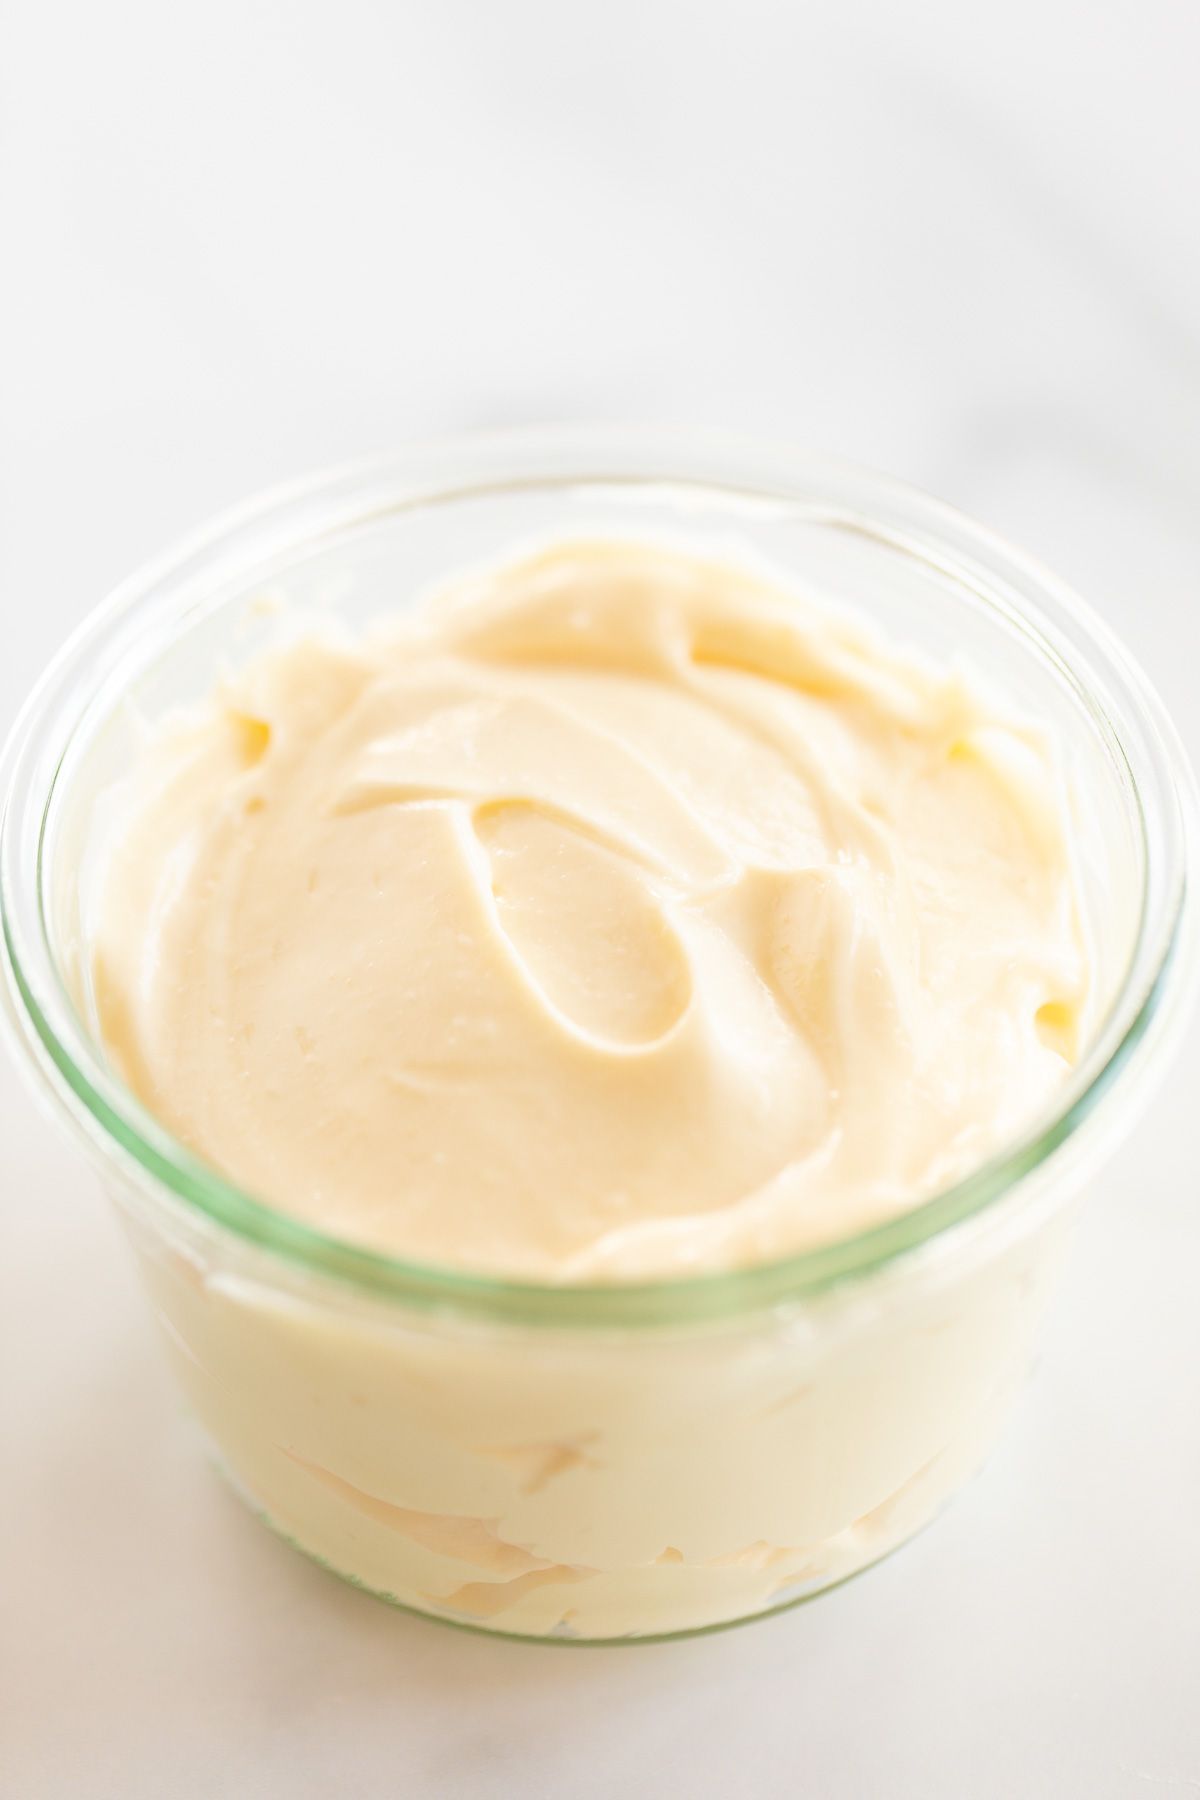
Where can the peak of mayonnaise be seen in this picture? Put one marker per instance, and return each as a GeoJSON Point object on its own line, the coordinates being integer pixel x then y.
{"type": "Point", "coordinates": [622, 915]}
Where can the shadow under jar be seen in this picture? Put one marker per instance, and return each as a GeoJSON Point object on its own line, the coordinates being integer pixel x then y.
{"type": "Point", "coordinates": [607, 1461]}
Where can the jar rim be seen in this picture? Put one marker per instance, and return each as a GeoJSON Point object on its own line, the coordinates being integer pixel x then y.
{"type": "Point", "coordinates": [1057, 625]}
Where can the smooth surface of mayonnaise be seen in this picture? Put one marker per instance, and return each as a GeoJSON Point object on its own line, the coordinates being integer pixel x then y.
{"type": "Point", "coordinates": [619, 915]}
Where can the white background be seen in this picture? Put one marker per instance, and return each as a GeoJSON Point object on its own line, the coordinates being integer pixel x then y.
{"type": "Point", "coordinates": [241, 240]}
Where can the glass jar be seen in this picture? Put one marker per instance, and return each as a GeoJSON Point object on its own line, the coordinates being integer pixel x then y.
{"type": "Point", "coordinates": [607, 1461]}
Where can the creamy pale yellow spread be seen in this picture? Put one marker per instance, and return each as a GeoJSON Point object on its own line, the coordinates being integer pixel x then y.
{"type": "Point", "coordinates": [620, 914]}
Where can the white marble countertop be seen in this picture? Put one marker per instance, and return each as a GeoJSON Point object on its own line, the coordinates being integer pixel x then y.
{"type": "Point", "coordinates": [245, 240]}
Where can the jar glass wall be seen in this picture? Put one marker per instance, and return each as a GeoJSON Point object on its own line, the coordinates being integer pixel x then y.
{"type": "Point", "coordinates": [609, 1461]}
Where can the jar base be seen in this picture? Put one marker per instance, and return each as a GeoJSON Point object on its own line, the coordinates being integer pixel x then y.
{"type": "Point", "coordinates": [813, 1590]}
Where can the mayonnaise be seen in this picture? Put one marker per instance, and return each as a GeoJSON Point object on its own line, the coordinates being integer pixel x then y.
{"type": "Point", "coordinates": [620, 916]}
